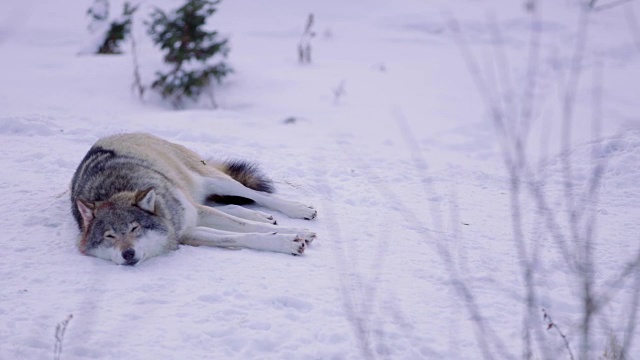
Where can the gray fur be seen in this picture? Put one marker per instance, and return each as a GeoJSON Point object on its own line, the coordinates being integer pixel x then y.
{"type": "Point", "coordinates": [136, 196]}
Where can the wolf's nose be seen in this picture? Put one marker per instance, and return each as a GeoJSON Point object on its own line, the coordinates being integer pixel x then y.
{"type": "Point", "coordinates": [128, 254]}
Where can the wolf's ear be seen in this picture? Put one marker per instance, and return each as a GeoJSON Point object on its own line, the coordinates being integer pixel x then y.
{"type": "Point", "coordinates": [146, 200]}
{"type": "Point", "coordinates": [86, 211]}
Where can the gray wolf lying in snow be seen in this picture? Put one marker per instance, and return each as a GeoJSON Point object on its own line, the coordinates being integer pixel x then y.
{"type": "Point", "coordinates": [136, 196]}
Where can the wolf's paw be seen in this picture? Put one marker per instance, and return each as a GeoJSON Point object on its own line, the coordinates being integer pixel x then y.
{"type": "Point", "coordinates": [300, 211]}
{"type": "Point", "coordinates": [263, 217]}
{"type": "Point", "coordinates": [304, 234]}
{"type": "Point", "coordinates": [288, 243]}
{"type": "Point", "coordinates": [307, 236]}
{"type": "Point", "coordinates": [311, 214]}
{"type": "Point", "coordinates": [300, 245]}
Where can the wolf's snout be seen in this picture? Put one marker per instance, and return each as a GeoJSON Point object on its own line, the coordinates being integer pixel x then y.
{"type": "Point", "coordinates": [128, 254]}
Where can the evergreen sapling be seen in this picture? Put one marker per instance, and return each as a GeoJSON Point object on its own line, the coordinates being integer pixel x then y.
{"type": "Point", "coordinates": [188, 50]}
{"type": "Point", "coordinates": [117, 31]}
{"type": "Point", "coordinates": [99, 13]}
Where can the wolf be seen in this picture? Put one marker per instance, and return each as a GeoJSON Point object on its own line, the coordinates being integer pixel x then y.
{"type": "Point", "coordinates": [136, 196]}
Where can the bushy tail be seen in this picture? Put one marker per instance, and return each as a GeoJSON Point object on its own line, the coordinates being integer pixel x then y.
{"type": "Point", "coordinates": [249, 175]}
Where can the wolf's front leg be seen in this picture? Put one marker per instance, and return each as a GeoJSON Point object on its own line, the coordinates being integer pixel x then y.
{"type": "Point", "coordinates": [216, 219]}
{"type": "Point", "coordinates": [284, 243]}
{"type": "Point", "coordinates": [247, 214]}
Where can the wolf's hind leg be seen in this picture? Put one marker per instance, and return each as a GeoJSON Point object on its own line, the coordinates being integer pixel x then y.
{"type": "Point", "coordinates": [230, 187]}
{"type": "Point", "coordinates": [247, 214]}
{"type": "Point", "coordinates": [216, 219]}
{"type": "Point", "coordinates": [283, 243]}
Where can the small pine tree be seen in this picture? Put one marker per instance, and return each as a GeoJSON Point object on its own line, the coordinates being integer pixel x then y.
{"type": "Point", "coordinates": [118, 29]}
{"type": "Point", "coordinates": [99, 13]}
{"type": "Point", "coordinates": [188, 51]}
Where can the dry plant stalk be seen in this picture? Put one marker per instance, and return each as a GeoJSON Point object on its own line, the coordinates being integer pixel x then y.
{"type": "Point", "coordinates": [137, 85]}
{"type": "Point", "coordinates": [59, 336]}
{"type": "Point", "coordinates": [552, 325]}
{"type": "Point", "coordinates": [571, 226]}
{"type": "Point", "coordinates": [304, 46]}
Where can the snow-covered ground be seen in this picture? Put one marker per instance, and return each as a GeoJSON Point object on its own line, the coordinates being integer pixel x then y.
{"type": "Point", "coordinates": [392, 143]}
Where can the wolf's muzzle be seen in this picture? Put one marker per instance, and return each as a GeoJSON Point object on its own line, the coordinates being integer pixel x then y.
{"type": "Point", "coordinates": [129, 257]}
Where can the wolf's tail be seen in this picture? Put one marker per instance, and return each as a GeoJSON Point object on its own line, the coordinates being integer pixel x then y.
{"type": "Point", "coordinates": [249, 175]}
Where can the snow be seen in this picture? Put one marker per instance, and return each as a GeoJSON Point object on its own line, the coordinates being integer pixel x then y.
{"type": "Point", "coordinates": [404, 167]}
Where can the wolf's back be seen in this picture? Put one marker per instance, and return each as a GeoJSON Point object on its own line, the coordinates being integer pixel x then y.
{"type": "Point", "coordinates": [129, 162]}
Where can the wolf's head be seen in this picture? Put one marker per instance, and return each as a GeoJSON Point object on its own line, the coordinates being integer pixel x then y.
{"type": "Point", "coordinates": [125, 228]}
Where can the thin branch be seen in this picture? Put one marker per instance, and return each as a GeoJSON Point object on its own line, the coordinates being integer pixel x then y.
{"type": "Point", "coordinates": [304, 45]}
{"type": "Point", "coordinates": [498, 121]}
{"type": "Point", "coordinates": [608, 6]}
{"type": "Point", "coordinates": [509, 110]}
{"type": "Point", "coordinates": [516, 153]}
{"type": "Point", "coordinates": [550, 325]}
{"type": "Point", "coordinates": [61, 328]}
{"type": "Point", "coordinates": [485, 334]}
{"type": "Point", "coordinates": [137, 85]}
{"type": "Point", "coordinates": [478, 79]}
{"type": "Point", "coordinates": [634, 28]}
{"type": "Point", "coordinates": [533, 59]}
{"type": "Point", "coordinates": [568, 102]}
{"type": "Point", "coordinates": [613, 285]}
{"type": "Point", "coordinates": [631, 324]}
{"type": "Point", "coordinates": [590, 201]}
{"type": "Point", "coordinates": [483, 331]}
{"type": "Point", "coordinates": [549, 217]}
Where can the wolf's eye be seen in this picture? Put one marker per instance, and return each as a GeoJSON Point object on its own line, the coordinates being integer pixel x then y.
{"type": "Point", "coordinates": [135, 228]}
{"type": "Point", "coordinates": [109, 236]}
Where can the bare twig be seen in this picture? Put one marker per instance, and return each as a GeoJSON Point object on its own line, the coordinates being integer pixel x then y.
{"type": "Point", "coordinates": [137, 85]}
{"type": "Point", "coordinates": [607, 6]}
{"type": "Point", "coordinates": [517, 129]}
{"type": "Point", "coordinates": [568, 102]}
{"type": "Point", "coordinates": [339, 91]}
{"type": "Point", "coordinates": [60, 330]}
{"type": "Point", "coordinates": [533, 59]}
{"type": "Point", "coordinates": [210, 91]}
{"type": "Point", "coordinates": [486, 336]}
{"type": "Point", "coordinates": [631, 324]}
{"type": "Point", "coordinates": [479, 80]}
{"type": "Point", "coordinates": [580, 203]}
{"type": "Point", "coordinates": [634, 28]}
{"type": "Point", "coordinates": [615, 282]}
{"type": "Point", "coordinates": [498, 120]}
{"type": "Point", "coordinates": [304, 45]}
{"type": "Point", "coordinates": [509, 109]}
{"type": "Point", "coordinates": [550, 325]}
